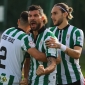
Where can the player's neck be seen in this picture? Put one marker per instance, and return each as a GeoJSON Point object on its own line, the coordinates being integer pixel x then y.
{"type": "Point", "coordinates": [35, 33]}
{"type": "Point", "coordinates": [64, 24]}
{"type": "Point", "coordinates": [23, 28]}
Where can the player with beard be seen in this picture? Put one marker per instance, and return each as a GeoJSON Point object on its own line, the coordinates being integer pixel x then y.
{"type": "Point", "coordinates": [70, 44]}
{"type": "Point", "coordinates": [41, 73]}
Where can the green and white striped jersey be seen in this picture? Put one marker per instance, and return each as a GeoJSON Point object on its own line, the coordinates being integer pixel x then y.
{"type": "Point", "coordinates": [14, 43]}
{"type": "Point", "coordinates": [68, 70]}
{"type": "Point", "coordinates": [43, 35]}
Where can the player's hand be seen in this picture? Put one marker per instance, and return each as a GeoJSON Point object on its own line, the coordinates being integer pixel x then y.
{"type": "Point", "coordinates": [40, 70]}
{"type": "Point", "coordinates": [24, 82]}
{"type": "Point", "coordinates": [52, 43]}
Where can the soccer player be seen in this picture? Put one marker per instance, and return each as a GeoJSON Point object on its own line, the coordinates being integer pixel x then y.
{"type": "Point", "coordinates": [13, 46]}
{"type": "Point", "coordinates": [70, 42]}
{"type": "Point", "coordinates": [41, 73]}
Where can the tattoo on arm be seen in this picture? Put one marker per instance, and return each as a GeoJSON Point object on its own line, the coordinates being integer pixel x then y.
{"type": "Point", "coordinates": [49, 60]}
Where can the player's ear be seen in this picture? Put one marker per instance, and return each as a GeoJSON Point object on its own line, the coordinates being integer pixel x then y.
{"type": "Point", "coordinates": [18, 22]}
{"type": "Point", "coordinates": [43, 17]}
{"type": "Point", "coordinates": [65, 14]}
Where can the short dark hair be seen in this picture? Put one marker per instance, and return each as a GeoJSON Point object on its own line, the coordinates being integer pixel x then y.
{"type": "Point", "coordinates": [24, 17]}
{"type": "Point", "coordinates": [35, 7]}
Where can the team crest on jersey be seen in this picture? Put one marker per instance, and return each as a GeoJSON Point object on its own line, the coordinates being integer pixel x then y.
{"type": "Point", "coordinates": [68, 36]}
{"type": "Point", "coordinates": [4, 79]}
{"type": "Point", "coordinates": [31, 44]}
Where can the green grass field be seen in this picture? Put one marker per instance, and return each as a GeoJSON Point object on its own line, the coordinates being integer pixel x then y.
{"type": "Point", "coordinates": [82, 63]}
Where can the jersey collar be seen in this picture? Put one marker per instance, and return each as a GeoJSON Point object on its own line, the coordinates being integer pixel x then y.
{"type": "Point", "coordinates": [40, 30]}
{"type": "Point", "coordinates": [66, 27]}
{"type": "Point", "coordinates": [20, 29]}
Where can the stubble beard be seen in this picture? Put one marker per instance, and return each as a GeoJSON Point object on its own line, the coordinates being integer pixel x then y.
{"type": "Point", "coordinates": [59, 22]}
{"type": "Point", "coordinates": [36, 28]}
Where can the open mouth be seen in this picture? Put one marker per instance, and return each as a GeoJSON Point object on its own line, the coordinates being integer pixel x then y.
{"type": "Point", "coordinates": [33, 24]}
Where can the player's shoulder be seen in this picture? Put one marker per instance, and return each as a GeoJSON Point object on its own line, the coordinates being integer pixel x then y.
{"type": "Point", "coordinates": [52, 28]}
{"type": "Point", "coordinates": [9, 29]}
{"type": "Point", "coordinates": [76, 29]}
{"type": "Point", "coordinates": [47, 30]}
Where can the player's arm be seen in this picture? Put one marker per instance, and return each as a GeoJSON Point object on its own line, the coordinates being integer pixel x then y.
{"type": "Point", "coordinates": [26, 69]}
{"type": "Point", "coordinates": [29, 46]}
{"type": "Point", "coordinates": [58, 59]}
{"type": "Point", "coordinates": [75, 52]}
{"type": "Point", "coordinates": [78, 38]}
{"type": "Point", "coordinates": [37, 54]}
{"type": "Point", "coordinates": [41, 56]}
{"type": "Point", "coordinates": [50, 68]}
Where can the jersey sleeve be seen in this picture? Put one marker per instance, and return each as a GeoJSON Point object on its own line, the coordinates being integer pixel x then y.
{"type": "Point", "coordinates": [78, 37]}
{"type": "Point", "coordinates": [27, 43]}
{"type": "Point", "coordinates": [50, 52]}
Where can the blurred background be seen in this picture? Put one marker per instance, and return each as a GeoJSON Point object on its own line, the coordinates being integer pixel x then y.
{"type": "Point", "coordinates": [11, 9]}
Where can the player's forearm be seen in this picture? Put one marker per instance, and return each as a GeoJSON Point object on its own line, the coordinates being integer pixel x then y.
{"type": "Point", "coordinates": [37, 54]}
{"type": "Point", "coordinates": [26, 72]}
{"type": "Point", "coordinates": [51, 66]}
{"type": "Point", "coordinates": [50, 69]}
{"type": "Point", "coordinates": [73, 53]}
{"type": "Point", "coordinates": [26, 68]}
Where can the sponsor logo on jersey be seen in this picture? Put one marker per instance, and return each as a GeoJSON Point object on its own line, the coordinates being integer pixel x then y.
{"type": "Point", "coordinates": [68, 36]}
{"type": "Point", "coordinates": [79, 38]}
{"type": "Point", "coordinates": [53, 77]}
{"type": "Point", "coordinates": [31, 44]}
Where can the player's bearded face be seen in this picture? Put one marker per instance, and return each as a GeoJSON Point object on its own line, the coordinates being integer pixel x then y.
{"type": "Point", "coordinates": [35, 25]}
{"type": "Point", "coordinates": [34, 18]}
{"type": "Point", "coordinates": [58, 22]}
{"type": "Point", "coordinates": [57, 16]}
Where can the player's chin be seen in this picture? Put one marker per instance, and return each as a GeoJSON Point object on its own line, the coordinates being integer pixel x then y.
{"type": "Point", "coordinates": [55, 24]}
{"type": "Point", "coordinates": [33, 28]}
